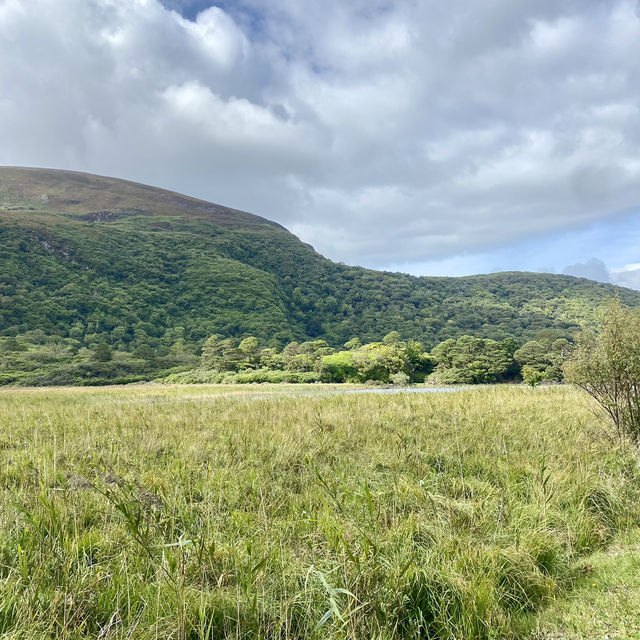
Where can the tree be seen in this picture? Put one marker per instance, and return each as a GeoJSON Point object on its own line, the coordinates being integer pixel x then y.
{"type": "Point", "coordinates": [418, 364]}
{"type": "Point", "coordinates": [249, 349]}
{"type": "Point", "coordinates": [220, 354]}
{"type": "Point", "coordinates": [377, 361]}
{"type": "Point", "coordinates": [182, 352]}
{"type": "Point", "coordinates": [546, 357]}
{"type": "Point", "coordinates": [470, 360]}
{"type": "Point", "coordinates": [163, 351]}
{"type": "Point", "coordinates": [37, 336]}
{"type": "Point", "coordinates": [270, 359]}
{"type": "Point", "coordinates": [11, 344]}
{"type": "Point", "coordinates": [289, 355]}
{"type": "Point", "coordinates": [353, 345]}
{"type": "Point", "coordinates": [309, 356]}
{"type": "Point", "coordinates": [510, 345]}
{"type": "Point", "coordinates": [531, 376]}
{"type": "Point", "coordinates": [607, 366]}
{"type": "Point", "coordinates": [145, 352]}
{"type": "Point", "coordinates": [392, 338]}
{"type": "Point", "coordinates": [102, 353]}
{"type": "Point", "coordinates": [340, 367]}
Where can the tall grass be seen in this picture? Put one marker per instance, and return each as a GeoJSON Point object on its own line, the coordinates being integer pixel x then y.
{"type": "Point", "coordinates": [194, 513]}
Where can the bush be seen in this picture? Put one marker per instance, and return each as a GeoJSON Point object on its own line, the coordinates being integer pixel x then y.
{"type": "Point", "coordinates": [399, 379]}
{"type": "Point", "coordinates": [607, 367]}
{"type": "Point", "coordinates": [274, 377]}
{"type": "Point", "coordinates": [203, 376]}
{"type": "Point", "coordinates": [531, 376]}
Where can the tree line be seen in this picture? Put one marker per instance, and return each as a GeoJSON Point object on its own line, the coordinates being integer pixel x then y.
{"type": "Point", "coordinates": [35, 358]}
{"type": "Point", "coordinates": [463, 360]}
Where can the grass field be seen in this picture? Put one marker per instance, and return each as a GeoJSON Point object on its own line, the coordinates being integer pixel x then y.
{"type": "Point", "coordinates": [278, 512]}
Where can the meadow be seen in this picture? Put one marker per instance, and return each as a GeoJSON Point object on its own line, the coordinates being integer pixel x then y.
{"type": "Point", "coordinates": [208, 512]}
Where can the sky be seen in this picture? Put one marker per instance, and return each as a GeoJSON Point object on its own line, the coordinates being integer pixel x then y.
{"type": "Point", "coordinates": [436, 138]}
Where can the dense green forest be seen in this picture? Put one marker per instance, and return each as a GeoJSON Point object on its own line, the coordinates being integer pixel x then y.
{"type": "Point", "coordinates": [90, 263]}
{"type": "Point", "coordinates": [36, 359]}
{"type": "Point", "coordinates": [467, 360]}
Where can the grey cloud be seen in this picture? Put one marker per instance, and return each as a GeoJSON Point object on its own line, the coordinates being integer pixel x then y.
{"type": "Point", "coordinates": [627, 276]}
{"type": "Point", "coordinates": [593, 269]}
{"type": "Point", "coordinates": [379, 131]}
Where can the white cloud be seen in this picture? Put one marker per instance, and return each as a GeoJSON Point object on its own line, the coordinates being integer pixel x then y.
{"type": "Point", "coordinates": [595, 269]}
{"type": "Point", "coordinates": [627, 276]}
{"type": "Point", "coordinates": [381, 132]}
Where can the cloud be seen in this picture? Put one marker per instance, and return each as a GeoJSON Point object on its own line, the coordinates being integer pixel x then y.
{"type": "Point", "coordinates": [381, 132]}
{"type": "Point", "coordinates": [593, 269]}
{"type": "Point", "coordinates": [627, 276]}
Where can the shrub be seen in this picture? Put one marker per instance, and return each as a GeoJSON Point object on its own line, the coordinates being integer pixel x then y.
{"type": "Point", "coordinates": [399, 379]}
{"type": "Point", "coordinates": [607, 367]}
{"type": "Point", "coordinates": [531, 376]}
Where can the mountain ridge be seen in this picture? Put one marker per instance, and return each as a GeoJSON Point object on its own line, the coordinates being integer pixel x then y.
{"type": "Point", "coordinates": [101, 259]}
{"type": "Point", "coordinates": [177, 202]}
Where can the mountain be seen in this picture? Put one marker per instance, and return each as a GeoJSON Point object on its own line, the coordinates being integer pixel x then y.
{"type": "Point", "coordinates": [102, 260]}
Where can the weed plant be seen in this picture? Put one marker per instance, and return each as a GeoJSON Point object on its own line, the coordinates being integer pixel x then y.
{"type": "Point", "coordinates": [205, 512]}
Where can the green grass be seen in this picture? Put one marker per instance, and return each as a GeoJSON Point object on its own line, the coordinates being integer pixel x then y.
{"type": "Point", "coordinates": [287, 512]}
{"type": "Point", "coordinates": [605, 603]}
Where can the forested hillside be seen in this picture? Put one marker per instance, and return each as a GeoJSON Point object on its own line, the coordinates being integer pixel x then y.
{"type": "Point", "coordinates": [86, 261]}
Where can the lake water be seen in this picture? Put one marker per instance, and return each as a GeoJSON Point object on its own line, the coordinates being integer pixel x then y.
{"type": "Point", "coordinates": [399, 390]}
